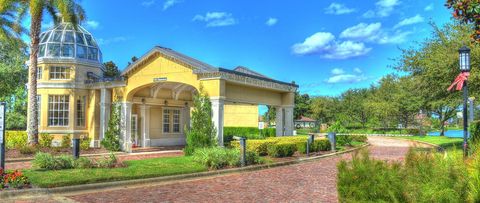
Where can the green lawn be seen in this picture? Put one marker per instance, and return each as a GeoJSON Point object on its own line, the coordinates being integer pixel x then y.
{"type": "Point", "coordinates": [146, 168]}
{"type": "Point", "coordinates": [444, 142]}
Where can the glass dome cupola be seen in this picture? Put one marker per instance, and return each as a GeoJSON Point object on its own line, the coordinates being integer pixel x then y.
{"type": "Point", "coordinates": [64, 41]}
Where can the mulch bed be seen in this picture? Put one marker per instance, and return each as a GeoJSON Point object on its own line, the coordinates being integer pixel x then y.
{"type": "Point", "coordinates": [15, 153]}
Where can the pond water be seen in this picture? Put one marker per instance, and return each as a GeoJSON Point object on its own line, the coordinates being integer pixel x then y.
{"type": "Point", "coordinates": [448, 133]}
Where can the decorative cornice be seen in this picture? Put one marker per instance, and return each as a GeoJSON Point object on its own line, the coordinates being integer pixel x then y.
{"type": "Point", "coordinates": [249, 80]}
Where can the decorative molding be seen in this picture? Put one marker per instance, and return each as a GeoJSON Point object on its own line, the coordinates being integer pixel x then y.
{"type": "Point", "coordinates": [248, 80]}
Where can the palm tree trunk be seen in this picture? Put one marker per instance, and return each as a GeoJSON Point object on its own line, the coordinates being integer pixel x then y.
{"type": "Point", "coordinates": [32, 130]}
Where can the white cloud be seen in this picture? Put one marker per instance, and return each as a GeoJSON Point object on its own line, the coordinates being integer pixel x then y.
{"type": "Point", "coordinates": [92, 24]}
{"type": "Point", "coordinates": [410, 21]}
{"type": "Point", "coordinates": [324, 44]}
{"type": "Point", "coordinates": [397, 37]}
{"type": "Point", "coordinates": [216, 19]}
{"type": "Point", "coordinates": [170, 3]}
{"type": "Point", "coordinates": [337, 71]}
{"type": "Point", "coordinates": [429, 7]}
{"type": "Point", "coordinates": [102, 41]}
{"type": "Point", "coordinates": [338, 9]}
{"type": "Point", "coordinates": [148, 3]}
{"type": "Point", "coordinates": [271, 21]}
{"type": "Point", "coordinates": [362, 31]}
{"type": "Point", "coordinates": [383, 8]}
{"type": "Point", "coordinates": [338, 75]}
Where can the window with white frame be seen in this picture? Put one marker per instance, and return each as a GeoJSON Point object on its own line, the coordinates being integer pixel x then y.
{"type": "Point", "coordinates": [171, 120]}
{"type": "Point", "coordinates": [59, 73]}
{"type": "Point", "coordinates": [58, 110]}
{"type": "Point", "coordinates": [166, 120]}
{"type": "Point", "coordinates": [176, 121]}
{"type": "Point", "coordinates": [81, 100]}
{"type": "Point", "coordinates": [39, 73]}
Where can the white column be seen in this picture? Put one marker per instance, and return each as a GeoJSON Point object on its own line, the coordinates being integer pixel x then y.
{"type": "Point", "coordinates": [288, 124]}
{"type": "Point", "coordinates": [126, 127]}
{"type": "Point", "coordinates": [217, 118]}
{"type": "Point", "coordinates": [279, 121]}
{"type": "Point", "coordinates": [145, 117]}
{"type": "Point", "coordinates": [105, 108]}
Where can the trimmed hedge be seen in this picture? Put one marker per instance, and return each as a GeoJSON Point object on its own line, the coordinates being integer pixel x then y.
{"type": "Point", "coordinates": [15, 139]}
{"type": "Point", "coordinates": [282, 149]}
{"type": "Point", "coordinates": [246, 132]}
{"type": "Point", "coordinates": [261, 147]}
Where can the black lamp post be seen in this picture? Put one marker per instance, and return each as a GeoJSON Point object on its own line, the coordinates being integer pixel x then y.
{"type": "Point", "coordinates": [464, 53]}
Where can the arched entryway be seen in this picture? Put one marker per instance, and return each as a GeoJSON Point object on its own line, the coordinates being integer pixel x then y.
{"type": "Point", "coordinates": [159, 114]}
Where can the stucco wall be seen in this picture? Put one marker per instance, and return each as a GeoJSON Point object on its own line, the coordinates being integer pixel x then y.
{"type": "Point", "coordinates": [241, 115]}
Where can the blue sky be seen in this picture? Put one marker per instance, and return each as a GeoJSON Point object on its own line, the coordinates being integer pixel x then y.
{"type": "Point", "coordinates": [324, 46]}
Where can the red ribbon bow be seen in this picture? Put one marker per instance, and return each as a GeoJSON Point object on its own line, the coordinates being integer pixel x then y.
{"type": "Point", "coordinates": [459, 81]}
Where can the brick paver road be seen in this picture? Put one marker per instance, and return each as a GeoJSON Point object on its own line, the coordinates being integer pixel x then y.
{"type": "Point", "coordinates": [306, 182]}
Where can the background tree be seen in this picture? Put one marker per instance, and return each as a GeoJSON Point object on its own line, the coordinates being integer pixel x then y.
{"type": "Point", "coordinates": [202, 132]}
{"type": "Point", "coordinates": [302, 105]}
{"type": "Point", "coordinates": [111, 70]}
{"type": "Point", "coordinates": [467, 11]}
{"type": "Point", "coordinates": [324, 109]}
{"type": "Point", "coordinates": [111, 141]}
{"type": "Point", "coordinates": [270, 115]}
{"type": "Point", "coordinates": [10, 25]}
{"type": "Point", "coordinates": [354, 104]}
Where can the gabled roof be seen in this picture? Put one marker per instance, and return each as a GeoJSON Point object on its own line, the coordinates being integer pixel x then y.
{"type": "Point", "coordinates": [199, 67]}
{"type": "Point", "coordinates": [243, 69]}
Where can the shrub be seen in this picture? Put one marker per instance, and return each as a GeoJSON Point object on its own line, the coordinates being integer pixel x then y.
{"type": "Point", "coordinates": [321, 145]}
{"type": "Point", "coordinates": [337, 127]}
{"type": "Point", "coordinates": [85, 143]}
{"type": "Point", "coordinates": [27, 149]}
{"type": "Point", "coordinates": [217, 157]}
{"type": "Point", "coordinates": [424, 177]}
{"type": "Point", "coordinates": [253, 158]}
{"type": "Point", "coordinates": [257, 146]}
{"type": "Point", "coordinates": [474, 129]}
{"type": "Point", "coordinates": [45, 140]}
{"type": "Point", "coordinates": [202, 132]}
{"type": "Point", "coordinates": [344, 140]}
{"type": "Point", "coordinates": [111, 141]}
{"type": "Point", "coordinates": [66, 141]}
{"type": "Point", "coordinates": [107, 162]}
{"type": "Point", "coordinates": [282, 149]}
{"type": "Point", "coordinates": [83, 162]}
{"type": "Point", "coordinates": [15, 139]}
{"type": "Point", "coordinates": [368, 180]}
{"type": "Point", "coordinates": [64, 162]}
{"type": "Point", "coordinates": [44, 161]}
{"type": "Point", "coordinates": [413, 131]}
{"type": "Point", "coordinates": [359, 138]}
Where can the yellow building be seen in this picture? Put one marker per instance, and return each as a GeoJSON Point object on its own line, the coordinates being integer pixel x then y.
{"type": "Point", "coordinates": [154, 93]}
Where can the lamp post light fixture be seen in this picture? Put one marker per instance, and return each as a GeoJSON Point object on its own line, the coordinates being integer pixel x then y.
{"type": "Point", "coordinates": [464, 54]}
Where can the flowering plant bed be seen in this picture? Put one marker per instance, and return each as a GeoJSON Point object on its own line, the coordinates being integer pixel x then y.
{"type": "Point", "coordinates": [13, 180]}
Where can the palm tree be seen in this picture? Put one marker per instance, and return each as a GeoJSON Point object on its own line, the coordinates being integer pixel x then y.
{"type": "Point", "coordinates": [10, 26]}
{"type": "Point", "coordinates": [66, 10]}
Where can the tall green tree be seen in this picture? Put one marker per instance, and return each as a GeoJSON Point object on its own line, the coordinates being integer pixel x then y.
{"type": "Point", "coordinates": [354, 104]}
{"type": "Point", "coordinates": [202, 132]}
{"type": "Point", "coordinates": [435, 65]}
{"type": "Point", "coordinates": [66, 10]}
{"type": "Point", "coordinates": [325, 109]}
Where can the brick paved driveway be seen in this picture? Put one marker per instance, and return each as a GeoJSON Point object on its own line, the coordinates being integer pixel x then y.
{"type": "Point", "coordinates": [306, 182]}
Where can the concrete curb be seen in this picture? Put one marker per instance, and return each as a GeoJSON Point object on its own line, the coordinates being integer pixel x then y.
{"type": "Point", "coordinates": [124, 183]}
{"type": "Point", "coordinates": [118, 154]}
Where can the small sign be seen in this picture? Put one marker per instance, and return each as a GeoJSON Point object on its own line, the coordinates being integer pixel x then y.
{"type": "Point", "coordinates": [261, 125]}
{"type": "Point", "coordinates": [159, 79]}
{"type": "Point", "coordinates": [2, 122]}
